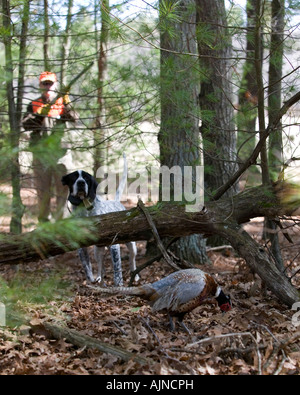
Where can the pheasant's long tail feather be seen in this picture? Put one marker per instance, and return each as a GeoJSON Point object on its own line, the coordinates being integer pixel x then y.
{"type": "Point", "coordinates": [134, 291]}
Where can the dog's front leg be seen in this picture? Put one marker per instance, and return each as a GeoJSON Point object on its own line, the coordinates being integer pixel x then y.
{"type": "Point", "coordinates": [115, 253]}
{"type": "Point", "coordinates": [99, 253]}
{"type": "Point", "coordinates": [132, 254]}
{"type": "Point", "coordinates": [85, 260]}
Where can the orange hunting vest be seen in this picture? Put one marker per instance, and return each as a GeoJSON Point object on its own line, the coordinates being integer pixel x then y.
{"type": "Point", "coordinates": [56, 109]}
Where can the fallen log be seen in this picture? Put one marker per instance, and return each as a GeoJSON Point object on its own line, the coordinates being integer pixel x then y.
{"type": "Point", "coordinates": [222, 217]}
{"type": "Point", "coordinates": [82, 340]}
{"type": "Point", "coordinates": [79, 339]}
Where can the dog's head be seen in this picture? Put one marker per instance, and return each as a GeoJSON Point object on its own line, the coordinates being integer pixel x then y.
{"type": "Point", "coordinates": [81, 186]}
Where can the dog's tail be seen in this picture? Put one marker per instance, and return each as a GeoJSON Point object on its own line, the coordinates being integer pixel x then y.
{"type": "Point", "coordinates": [123, 180]}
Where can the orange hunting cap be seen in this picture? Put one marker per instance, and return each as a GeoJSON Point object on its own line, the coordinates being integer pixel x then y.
{"type": "Point", "coordinates": [48, 76]}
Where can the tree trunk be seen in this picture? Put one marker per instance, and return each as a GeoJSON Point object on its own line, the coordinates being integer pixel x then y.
{"type": "Point", "coordinates": [178, 138]}
{"type": "Point", "coordinates": [274, 89]}
{"type": "Point", "coordinates": [247, 111]}
{"type": "Point", "coordinates": [46, 37]}
{"type": "Point", "coordinates": [66, 42]}
{"type": "Point", "coordinates": [258, 53]}
{"type": "Point", "coordinates": [274, 105]}
{"type": "Point", "coordinates": [22, 60]}
{"type": "Point", "coordinates": [215, 99]}
{"type": "Point", "coordinates": [259, 262]}
{"type": "Point", "coordinates": [14, 115]}
{"type": "Point", "coordinates": [99, 134]}
{"type": "Point", "coordinates": [222, 218]}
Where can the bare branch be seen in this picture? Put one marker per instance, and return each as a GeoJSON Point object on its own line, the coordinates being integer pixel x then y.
{"type": "Point", "coordinates": [252, 158]}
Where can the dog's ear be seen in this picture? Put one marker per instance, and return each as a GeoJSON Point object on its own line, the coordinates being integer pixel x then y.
{"type": "Point", "coordinates": [69, 179]}
{"type": "Point", "coordinates": [64, 180]}
{"type": "Point", "coordinates": [92, 188]}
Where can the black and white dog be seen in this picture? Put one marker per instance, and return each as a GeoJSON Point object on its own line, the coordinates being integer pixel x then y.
{"type": "Point", "coordinates": [85, 200]}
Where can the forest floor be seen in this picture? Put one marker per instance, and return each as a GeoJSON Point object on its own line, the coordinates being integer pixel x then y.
{"type": "Point", "coordinates": [258, 336]}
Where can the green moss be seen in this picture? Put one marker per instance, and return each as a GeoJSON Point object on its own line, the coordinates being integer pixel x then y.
{"type": "Point", "coordinates": [31, 292]}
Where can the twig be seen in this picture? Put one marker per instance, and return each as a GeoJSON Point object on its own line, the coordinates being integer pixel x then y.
{"type": "Point", "coordinates": [184, 366]}
{"type": "Point", "coordinates": [214, 338]}
{"type": "Point", "coordinates": [174, 349]}
{"type": "Point", "coordinates": [240, 351]}
{"type": "Point", "coordinates": [275, 347]}
{"type": "Point", "coordinates": [118, 327]}
{"type": "Point", "coordinates": [281, 174]}
{"type": "Point", "coordinates": [280, 346]}
{"type": "Point", "coordinates": [150, 261]}
{"type": "Point", "coordinates": [156, 236]}
{"type": "Point", "coordinates": [266, 329]}
{"type": "Point", "coordinates": [153, 333]}
{"type": "Point", "coordinates": [254, 155]}
{"type": "Point", "coordinates": [211, 339]}
{"type": "Point", "coordinates": [220, 352]}
{"type": "Point", "coordinates": [182, 262]}
{"type": "Point", "coordinates": [76, 78]}
{"type": "Point", "coordinates": [295, 336]}
{"type": "Point", "coordinates": [294, 274]}
{"type": "Point", "coordinates": [218, 248]}
{"type": "Point", "coordinates": [291, 263]}
{"type": "Point", "coordinates": [280, 367]}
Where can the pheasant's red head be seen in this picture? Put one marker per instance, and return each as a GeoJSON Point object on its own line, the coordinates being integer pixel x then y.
{"type": "Point", "coordinates": [224, 301]}
{"type": "Point", "coordinates": [226, 306]}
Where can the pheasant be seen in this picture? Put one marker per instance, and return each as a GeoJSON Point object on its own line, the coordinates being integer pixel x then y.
{"type": "Point", "coordinates": [177, 294]}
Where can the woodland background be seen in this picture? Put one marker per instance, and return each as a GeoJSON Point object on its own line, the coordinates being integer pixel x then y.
{"type": "Point", "coordinates": [169, 83]}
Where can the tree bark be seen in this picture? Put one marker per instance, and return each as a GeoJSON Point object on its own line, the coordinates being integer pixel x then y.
{"type": "Point", "coordinates": [259, 262]}
{"type": "Point", "coordinates": [247, 111]}
{"type": "Point", "coordinates": [101, 47]}
{"type": "Point", "coordinates": [258, 52]}
{"type": "Point", "coordinates": [222, 218]}
{"type": "Point", "coordinates": [274, 88]}
{"type": "Point", "coordinates": [179, 137]}
{"type": "Point", "coordinates": [215, 99]}
{"type": "Point", "coordinates": [65, 47]}
{"type": "Point", "coordinates": [14, 111]}
{"type": "Point", "coordinates": [46, 37]}
{"type": "Point", "coordinates": [274, 105]}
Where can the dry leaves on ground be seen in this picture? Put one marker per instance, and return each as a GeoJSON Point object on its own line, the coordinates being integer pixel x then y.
{"type": "Point", "coordinates": [256, 337]}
